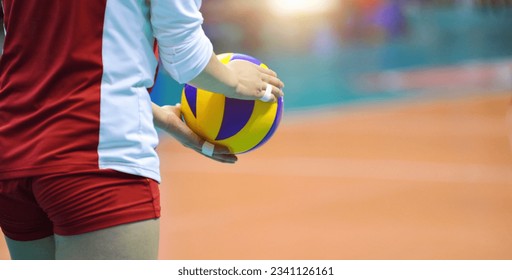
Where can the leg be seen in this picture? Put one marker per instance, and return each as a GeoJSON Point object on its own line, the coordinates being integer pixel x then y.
{"type": "Point", "coordinates": [41, 249]}
{"type": "Point", "coordinates": [137, 240]}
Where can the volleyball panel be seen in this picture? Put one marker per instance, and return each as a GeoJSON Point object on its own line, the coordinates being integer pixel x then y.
{"type": "Point", "coordinates": [255, 129]}
{"type": "Point", "coordinates": [202, 111]}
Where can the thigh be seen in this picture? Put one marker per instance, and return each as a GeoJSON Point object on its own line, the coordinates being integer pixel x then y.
{"type": "Point", "coordinates": [40, 249]}
{"type": "Point", "coordinates": [133, 241]}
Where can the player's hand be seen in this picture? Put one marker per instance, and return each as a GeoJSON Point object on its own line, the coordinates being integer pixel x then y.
{"type": "Point", "coordinates": [168, 118]}
{"type": "Point", "coordinates": [253, 81]}
{"type": "Point", "coordinates": [239, 79]}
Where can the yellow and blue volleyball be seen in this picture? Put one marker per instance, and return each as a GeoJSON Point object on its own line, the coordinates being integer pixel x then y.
{"type": "Point", "coordinates": [240, 125]}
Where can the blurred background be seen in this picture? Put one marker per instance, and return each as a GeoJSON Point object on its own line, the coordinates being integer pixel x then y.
{"type": "Point", "coordinates": [393, 143]}
{"type": "Point", "coordinates": [341, 52]}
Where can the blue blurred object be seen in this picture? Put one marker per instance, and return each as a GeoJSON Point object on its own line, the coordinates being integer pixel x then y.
{"type": "Point", "coordinates": [166, 90]}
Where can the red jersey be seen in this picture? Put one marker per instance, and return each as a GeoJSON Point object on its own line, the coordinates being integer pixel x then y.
{"type": "Point", "coordinates": [74, 78]}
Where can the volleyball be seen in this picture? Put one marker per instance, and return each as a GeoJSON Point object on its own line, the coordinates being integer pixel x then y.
{"type": "Point", "coordinates": [240, 125]}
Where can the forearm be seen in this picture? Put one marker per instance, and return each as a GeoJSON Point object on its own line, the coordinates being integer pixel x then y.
{"type": "Point", "coordinates": [216, 77]}
{"type": "Point", "coordinates": [168, 118]}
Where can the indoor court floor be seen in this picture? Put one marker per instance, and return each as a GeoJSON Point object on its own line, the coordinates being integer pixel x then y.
{"type": "Point", "coordinates": [418, 179]}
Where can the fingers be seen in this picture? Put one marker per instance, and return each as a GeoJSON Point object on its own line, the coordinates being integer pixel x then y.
{"type": "Point", "coordinates": [224, 155]}
{"type": "Point", "coordinates": [215, 152]}
{"type": "Point", "coordinates": [270, 77]}
{"type": "Point", "coordinates": [267, 94]}
{"type": "Point", "coordinates": [270, 93]}
{"type": "Point", "coordinates": [273, 86]}
{"type": "Point", "coordinates": [268, 71]}
{"type": "Point", "coordinates": [218, 153]}
{"type": "Point", "coordinates": [253, 80]}
{"type": "Point", "coordinates": [210, 150]}
{"type": "Point", "coordinates": [277, 87]}
{"type": "Point", "coordinates": [274, 81]}
{"type": "Point", "coordinates": [207, 148]}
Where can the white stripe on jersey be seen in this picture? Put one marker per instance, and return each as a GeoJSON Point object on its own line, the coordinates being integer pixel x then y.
{"type": "Point", "coordinates": [127, 138]}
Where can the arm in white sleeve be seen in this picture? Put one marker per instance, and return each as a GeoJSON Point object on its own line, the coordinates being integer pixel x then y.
{"type": "Point", "coordinates": [187, 54]}
{"type": "Point", "coordinates": [184, 49]}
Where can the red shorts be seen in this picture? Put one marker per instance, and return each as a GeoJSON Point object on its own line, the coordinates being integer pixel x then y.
{"type": "Point", "coordinates": [75, 203]}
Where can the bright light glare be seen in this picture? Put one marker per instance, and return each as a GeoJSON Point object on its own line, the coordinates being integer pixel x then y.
{"type": "Point", "coordinates": [300, 7]}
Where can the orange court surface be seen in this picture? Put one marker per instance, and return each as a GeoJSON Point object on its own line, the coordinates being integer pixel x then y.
{"type": "Point", "coordinates": [424, 179]}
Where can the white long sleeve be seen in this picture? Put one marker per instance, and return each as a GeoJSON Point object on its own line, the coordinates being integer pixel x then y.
{"type": "Point", "coordinates": [184, 48]}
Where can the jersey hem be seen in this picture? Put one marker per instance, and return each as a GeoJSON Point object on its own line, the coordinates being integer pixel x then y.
{"type": "Point", "coordinates": [37, 171]}
{"type": "Point", "coordinates": [131, 169]}
{"type": "Point", "coordinates": [53, 169]}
